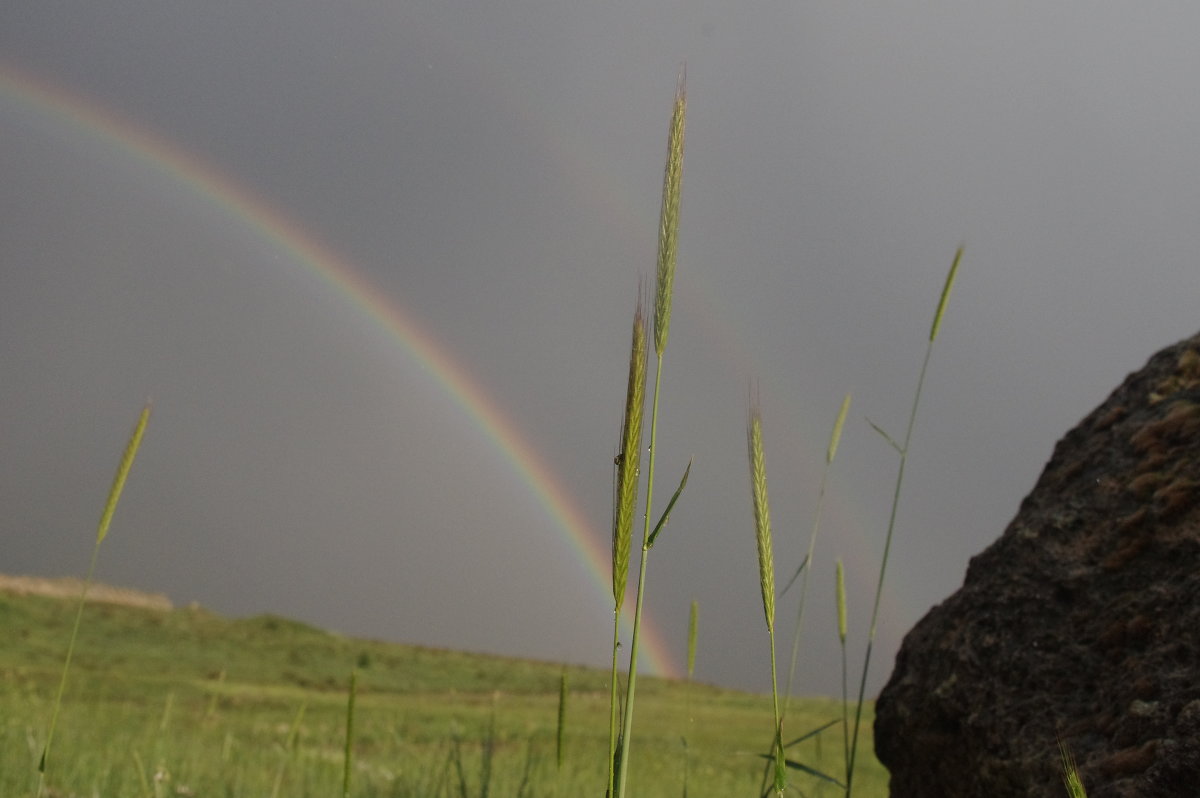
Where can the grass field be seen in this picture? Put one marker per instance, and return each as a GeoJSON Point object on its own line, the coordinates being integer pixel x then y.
{"type": "Point", "coordinates": [187, 703]}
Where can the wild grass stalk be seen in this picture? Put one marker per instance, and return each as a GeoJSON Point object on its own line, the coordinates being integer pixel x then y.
{"type": "Point", "coordinates": [766, 574]}
{"type": "Point", "coordinates": [841, 620]}
{"type": "Point", "coordinates": [487, 757]}
{"type": "Point", "coordinates": [110, 507]}
{"type": "Point", "coordinates": [902, 449]}
{"type": "Point", "coordinates": [806, 564]}
{"type": "Point", "coordinates": [665, 278]}
{"type": "Point", "coordinates": [627, 464]}
{"type": "Point", "coordinates": [348, 757]}
{"type": "Point", "coordinates": [289, 748]}
{"type": "Point", "coordinates": [691, 672]}
{"type": "Point", "coordinates": [140, 767]}
{"type": "Point", "coordinates": [561, 730]}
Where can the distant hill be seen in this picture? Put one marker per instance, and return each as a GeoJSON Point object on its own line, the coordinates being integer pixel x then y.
{"type": "Point", "coordinates": [132, 631]}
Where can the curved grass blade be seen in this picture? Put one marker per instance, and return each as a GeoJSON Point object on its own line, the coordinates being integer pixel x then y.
{"type": "Point", "coordinates": [670, 506]}
{"type": "Point", "coordinates": [110, 507]}
{"type": "Point", "coordinates": [792, 579]}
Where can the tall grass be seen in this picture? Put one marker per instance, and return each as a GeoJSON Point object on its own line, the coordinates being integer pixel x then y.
{"type": "Point", "coordinates": [805, 567]}
{"type": "Point", "coordinates": [766, 575]}
{"type": "Point", "coordinates": [348, 755]}
{"type": "Point", "coordinates": [902, 449]}
{"type": "Point", "coordinates": [840, 587]}
{"type": "Point", "coordinates": [665, 278]}
{"type": "Point", "coordinates": [110, 507]}
{"type": "Point", "coordinates": [628, 467]}
{"type": "Point", "coordinates": [693, 621]}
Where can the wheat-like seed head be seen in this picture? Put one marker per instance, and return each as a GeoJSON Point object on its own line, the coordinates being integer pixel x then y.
{"type": "Point", "coordinates": [668, 229]}
{"type": "Point", "coordinates": [1071, 779]}
{"type": "Point", "coordinates": [762, 517]}
{"type": "Point", "coordinates": [941, 308]}
{"type": "Point", "coordinates": [841, 601]}
{"type": "Point", "coordinates": [629, 458]}
{"type": "Point", "coordinates": [114, 493]}
{"type": "Point", "coordinates": [837, 430]}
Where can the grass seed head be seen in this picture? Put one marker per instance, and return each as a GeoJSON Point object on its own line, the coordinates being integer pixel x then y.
{"type": "Point", "coordinates": [114, 493]}
{"type": "Point", "coordinates": [836, 436]}
{"type": "Point", "coordinates": [629, 458]}
{"type": "Point", "coordinates": [762, 517]}
{"type": "Point", "coordinates": [941, 308]}
{"type": "Point", "coordinates": [669, 219]}
{"type": "Point", "coordinates": [1071, 779]}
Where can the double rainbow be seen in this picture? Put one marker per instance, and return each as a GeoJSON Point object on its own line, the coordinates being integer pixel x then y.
{"type": "Point", "coordinates": [340, 277]}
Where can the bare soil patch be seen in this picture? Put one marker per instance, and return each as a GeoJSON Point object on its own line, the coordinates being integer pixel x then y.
{"type": "Point", "coordinates": [69, 587]}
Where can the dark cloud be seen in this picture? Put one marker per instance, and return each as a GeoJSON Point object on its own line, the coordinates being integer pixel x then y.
{"type": "Point", "coordinates": [493, 170]}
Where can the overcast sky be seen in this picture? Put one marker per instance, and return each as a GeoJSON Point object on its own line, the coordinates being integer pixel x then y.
{"type": "Point", "coordinates": [492, 171]}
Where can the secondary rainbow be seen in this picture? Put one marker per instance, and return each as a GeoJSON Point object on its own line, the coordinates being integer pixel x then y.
{"type": "Point", "coordinates": [343, 279]}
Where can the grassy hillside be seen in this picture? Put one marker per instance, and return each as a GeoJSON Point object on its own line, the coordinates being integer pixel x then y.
{"type": "Point", "coordinates": [184, 702]}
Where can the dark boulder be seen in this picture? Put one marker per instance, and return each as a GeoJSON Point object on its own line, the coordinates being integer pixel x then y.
{"type": "Point", "coordinates": [1080, 624]}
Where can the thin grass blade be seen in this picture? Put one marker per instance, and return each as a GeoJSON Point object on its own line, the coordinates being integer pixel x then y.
{"type": "Point", "coordinates": [891, 441]}
{"type": "Point", "coordinates": [795, 576]}
{"type": "Point", "coordinates": [348, 757]}
{"type": "Point", "coordinates": [841, 601]}
{"type": "Point", "coordinates": [560, 736]}
{"type": "Point", "coordinates": [666, 516]}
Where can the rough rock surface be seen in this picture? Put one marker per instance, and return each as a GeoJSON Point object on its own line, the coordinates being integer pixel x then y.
{"type": "Point", "coordinates": [1081, 623]}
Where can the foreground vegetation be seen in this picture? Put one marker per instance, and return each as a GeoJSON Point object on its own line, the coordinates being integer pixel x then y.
{"type": "Point", "coordinates": [185, 703]}
{"type": "Point", "coordinates": [188, 703]}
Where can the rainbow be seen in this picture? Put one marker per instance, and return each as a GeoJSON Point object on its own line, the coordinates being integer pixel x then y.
{"type": "Point", "coordinates": [342, 278]}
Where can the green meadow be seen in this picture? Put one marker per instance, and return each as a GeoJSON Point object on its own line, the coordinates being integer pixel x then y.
{"type": "Point", "coordinates": [187, 703]}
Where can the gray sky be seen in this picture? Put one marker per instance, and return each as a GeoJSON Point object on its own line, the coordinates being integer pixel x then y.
{"type": "Point", "coordinates": [493, 170]}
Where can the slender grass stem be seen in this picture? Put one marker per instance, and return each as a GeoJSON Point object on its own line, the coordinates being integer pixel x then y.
{"type": "Point", "coordinates": [780, 772]}
{"type": "Point", "coordinates": [841, 610]}
{"type": "Point", "coordinates": [887, 543]}
{"type": "Point", "coordinates": [289, 749]}
{"type": "Point", "coordinates": [614, 706]}
{"type": "Point", "coordinates": [625, 488]}
{"type": "Point", "coordinates": [110, 507]}
{"type": "Point", "coordinates": [691, 671]}
{"type": "Point", "coordinates": [561, 731]}
{"type": "Point", "coordinates": [348, 758]}
{"type": "Point", "coordinates": [631, 686]}
{"type": "Point", "coordinates": [766, 574]}
{"type": "Point", "coordinates": [807, 564]}
{"type": "Point", "coordinates": [667, 236]}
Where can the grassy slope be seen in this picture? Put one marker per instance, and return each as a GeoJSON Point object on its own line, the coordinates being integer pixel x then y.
{"type": "Point", "coordinates": [147, 698]}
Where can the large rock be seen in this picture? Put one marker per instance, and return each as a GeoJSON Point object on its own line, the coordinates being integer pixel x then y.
{"type": "Point", "coordinates": [1081, 623]}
